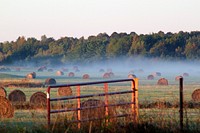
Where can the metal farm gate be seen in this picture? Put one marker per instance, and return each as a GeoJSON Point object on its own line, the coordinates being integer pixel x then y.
{"type": "Point", "coordinates": [133, 103]}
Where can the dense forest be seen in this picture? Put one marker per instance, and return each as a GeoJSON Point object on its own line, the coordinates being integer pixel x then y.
{"type": "Point", "coordinates": [179, 46]}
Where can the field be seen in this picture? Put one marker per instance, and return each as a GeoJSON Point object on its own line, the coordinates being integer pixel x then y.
{"type": "Point", "coordinates": [159, 105]}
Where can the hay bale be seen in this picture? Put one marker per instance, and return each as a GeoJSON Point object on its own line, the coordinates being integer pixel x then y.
{"type": "Point", "coordinates": [156, 74]}
{"type": "Point", "coordinates": [17, 96]}
{"type": "Point", "coordinates": [64, 91]}
{"type": "Point", "coordinates": [59, 73]}
{"type": "Point", "coordinates": [6, 108]}
{"type": "Point", "coordinates": [3, 92]}
{"type": "Point", "coordinates": [38, 100]}
{"type": "Point", "coordinates": [150, 77]}
{"type": "Point", "coordinates": [178, 77]}
{"type": "Point", "coordinates": [31, 75]}
{"type": "Point", "coordinates": [196, 95]}
{"type": "Point", "coordinates": [92, 112]}
{"type": "Point", "coordinates": [86, 76]}
{"type": "Point", "coordinates": [185, 74]}
{"type": "Point", "coordinates": [106, 75]}
{"type": "Point", "coordinates": [162, 81]}
{"type": "Point", "coordinates": [71, 74]}
{"type": "Point", "coordinates": [131, 76]}
{"type": "Point", "coordinates": [50, 81]}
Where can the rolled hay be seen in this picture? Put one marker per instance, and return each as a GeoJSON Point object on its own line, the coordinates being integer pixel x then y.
{"type": "Point", "coordinates": [86, 76]}
{"type": "Point", "coordinates": [131, 76]}
{"type": "Point", "coordinates": [106, 75]}
{"type": "Point", "coordinates": [196, 95]}
{"type": "Point", "coordinates": [64, 91]}
{"type": "Point", "coordinates": [150, 77]}
{"type": "Point", "coordinates": [31, 75]}
{"type": "Point", "coordinates": [178, 77]}
{"type": "Point", "coordinates": [185, 74]}
{"type": "Point", "coordinates": [3, 92]}
{"type": "Point", "coordinates": [156, 74]}
{"type": "Point", "coordinates": [38, 100]}
{"type": "Point", "coordinates": [91, 112]}
{"type": "Point", "coordinates": [17, 96]}
{"type": "Point", "coordinates": [6, 108]}
{"type": "Point", "coordinates": [59, 73]}
{"type": "Point", "coordinates": [50, 81]}
{"type": "Point", "coordinates": [71, 74]}
{"type": "Point", "coordinates": [162, 81]}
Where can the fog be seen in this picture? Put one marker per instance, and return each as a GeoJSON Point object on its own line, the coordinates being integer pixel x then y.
{"type": "Point", "coordinates": [121, 67]}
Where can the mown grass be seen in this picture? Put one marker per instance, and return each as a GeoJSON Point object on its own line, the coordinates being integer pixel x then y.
{"type": "Point", "coordinates": [154, 116]}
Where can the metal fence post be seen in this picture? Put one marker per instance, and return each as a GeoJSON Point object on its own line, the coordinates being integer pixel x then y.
{"type": "Point", "coordinates": [48, 106]}
{"type": "Point", "coordinates": [181, 103]}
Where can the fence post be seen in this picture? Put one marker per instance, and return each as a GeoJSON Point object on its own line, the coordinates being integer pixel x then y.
{"type": "Point", "coordinates": [48, 106]}
{"type": "Point", "coordinates": [79, 106]}
{"type": "Point", "coordinates": [106, 101]}
{"type": "Point", "coordinates": [136, 100]}
{"type": "Point", "coordinates": [181, 103]}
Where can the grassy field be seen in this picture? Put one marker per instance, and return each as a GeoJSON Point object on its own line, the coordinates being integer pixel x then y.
{"type": "Point", "coordinates": [154, 113]}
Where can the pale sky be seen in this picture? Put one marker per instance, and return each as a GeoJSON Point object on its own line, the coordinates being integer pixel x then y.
{"type": "Point", "coordinates": [77, 18]}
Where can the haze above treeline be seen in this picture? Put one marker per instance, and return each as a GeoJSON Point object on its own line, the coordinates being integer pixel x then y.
{"type": "Point", "coordinates": [102, 47]}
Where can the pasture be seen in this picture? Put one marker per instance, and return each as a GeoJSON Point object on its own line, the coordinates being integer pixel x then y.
{"type": "Point", "coordinates": [159, 104]}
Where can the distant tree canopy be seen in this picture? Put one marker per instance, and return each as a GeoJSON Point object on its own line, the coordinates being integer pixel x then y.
{"type": "Point", "coordinates": [182, 45]}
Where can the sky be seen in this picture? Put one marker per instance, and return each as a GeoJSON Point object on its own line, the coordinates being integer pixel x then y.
{"type": "Point", "coordinates": [83, 18]}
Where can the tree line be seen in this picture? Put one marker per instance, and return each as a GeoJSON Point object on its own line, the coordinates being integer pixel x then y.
{"type": "Point", "coordinates": [181, 45]}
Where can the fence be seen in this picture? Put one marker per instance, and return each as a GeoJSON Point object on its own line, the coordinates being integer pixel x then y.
{"type": "Point", "coordinates": [133, 91]}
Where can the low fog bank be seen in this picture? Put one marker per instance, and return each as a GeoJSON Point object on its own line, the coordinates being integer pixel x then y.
{"type": "Point", "coordinates": [121, 67]}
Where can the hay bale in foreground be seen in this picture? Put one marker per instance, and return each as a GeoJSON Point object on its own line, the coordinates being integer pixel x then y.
{"type": "Point", "coordinates": [6, 108]}
{"type": "Point", "coordinates": [38, 100]}
{"type": "Point", "coordinates": [64, 91]}
{"type": "Point", "coordinates": [50, 81]}
{"type": "Point", "coordinates": [150, 77]}
{"type": "Point", "coordinates": [92, 112]}
{"type": "Point", "coordinates": [17, 96]}
{"type": "Point", "coordinates": [196, 95]}
{"type": "Point", "coordinates": [86, 76]}
{"type": "Point", "coordinates": [3, 92]}
{"type": "Point", "coordinates": [162, 81]}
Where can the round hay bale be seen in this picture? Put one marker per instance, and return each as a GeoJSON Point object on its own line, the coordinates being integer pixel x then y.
{"type": "Point", "coordinates": [50, 81]}
{"type": "Point", "coordinates": [196, 95]}
{"type": "Point", "coordinates": [162, 81]}
{"type": "Point", "coordinates": [71, 74]}
{"type": "Point", "coordinates": [64, 91]}
{"type": "Point", "coordinates": [150, 77]}
{"type": "Point", "coordinates": [106, 75]}
{"type": "Point", "coordinates": [6, 108]}
{"type": "Point", "coordinates": [185, 74]}
{"type": "Point", "coordinates": [59, 73]}
{"type": "Point", "coordinates": [31, 75]}
{"type": "Point", "coordinates": [38, 100]}
{"type": "Point", "coordinates": [17, 96]}
{"type": "Point", "coordinates": [92, 112]}
{"type": "Point", "coordinates": [101, 70]}
{"type": "Point", "coordinates": [131, 76]}
{"type": "Point", "coordinates": [3, 92]}
{"type": "Point", "coordinates": [86, 76]}
{"type": "Point", "coordinates": [178, 77]}
{"type": "Point", "coordinates": [156, 74]}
